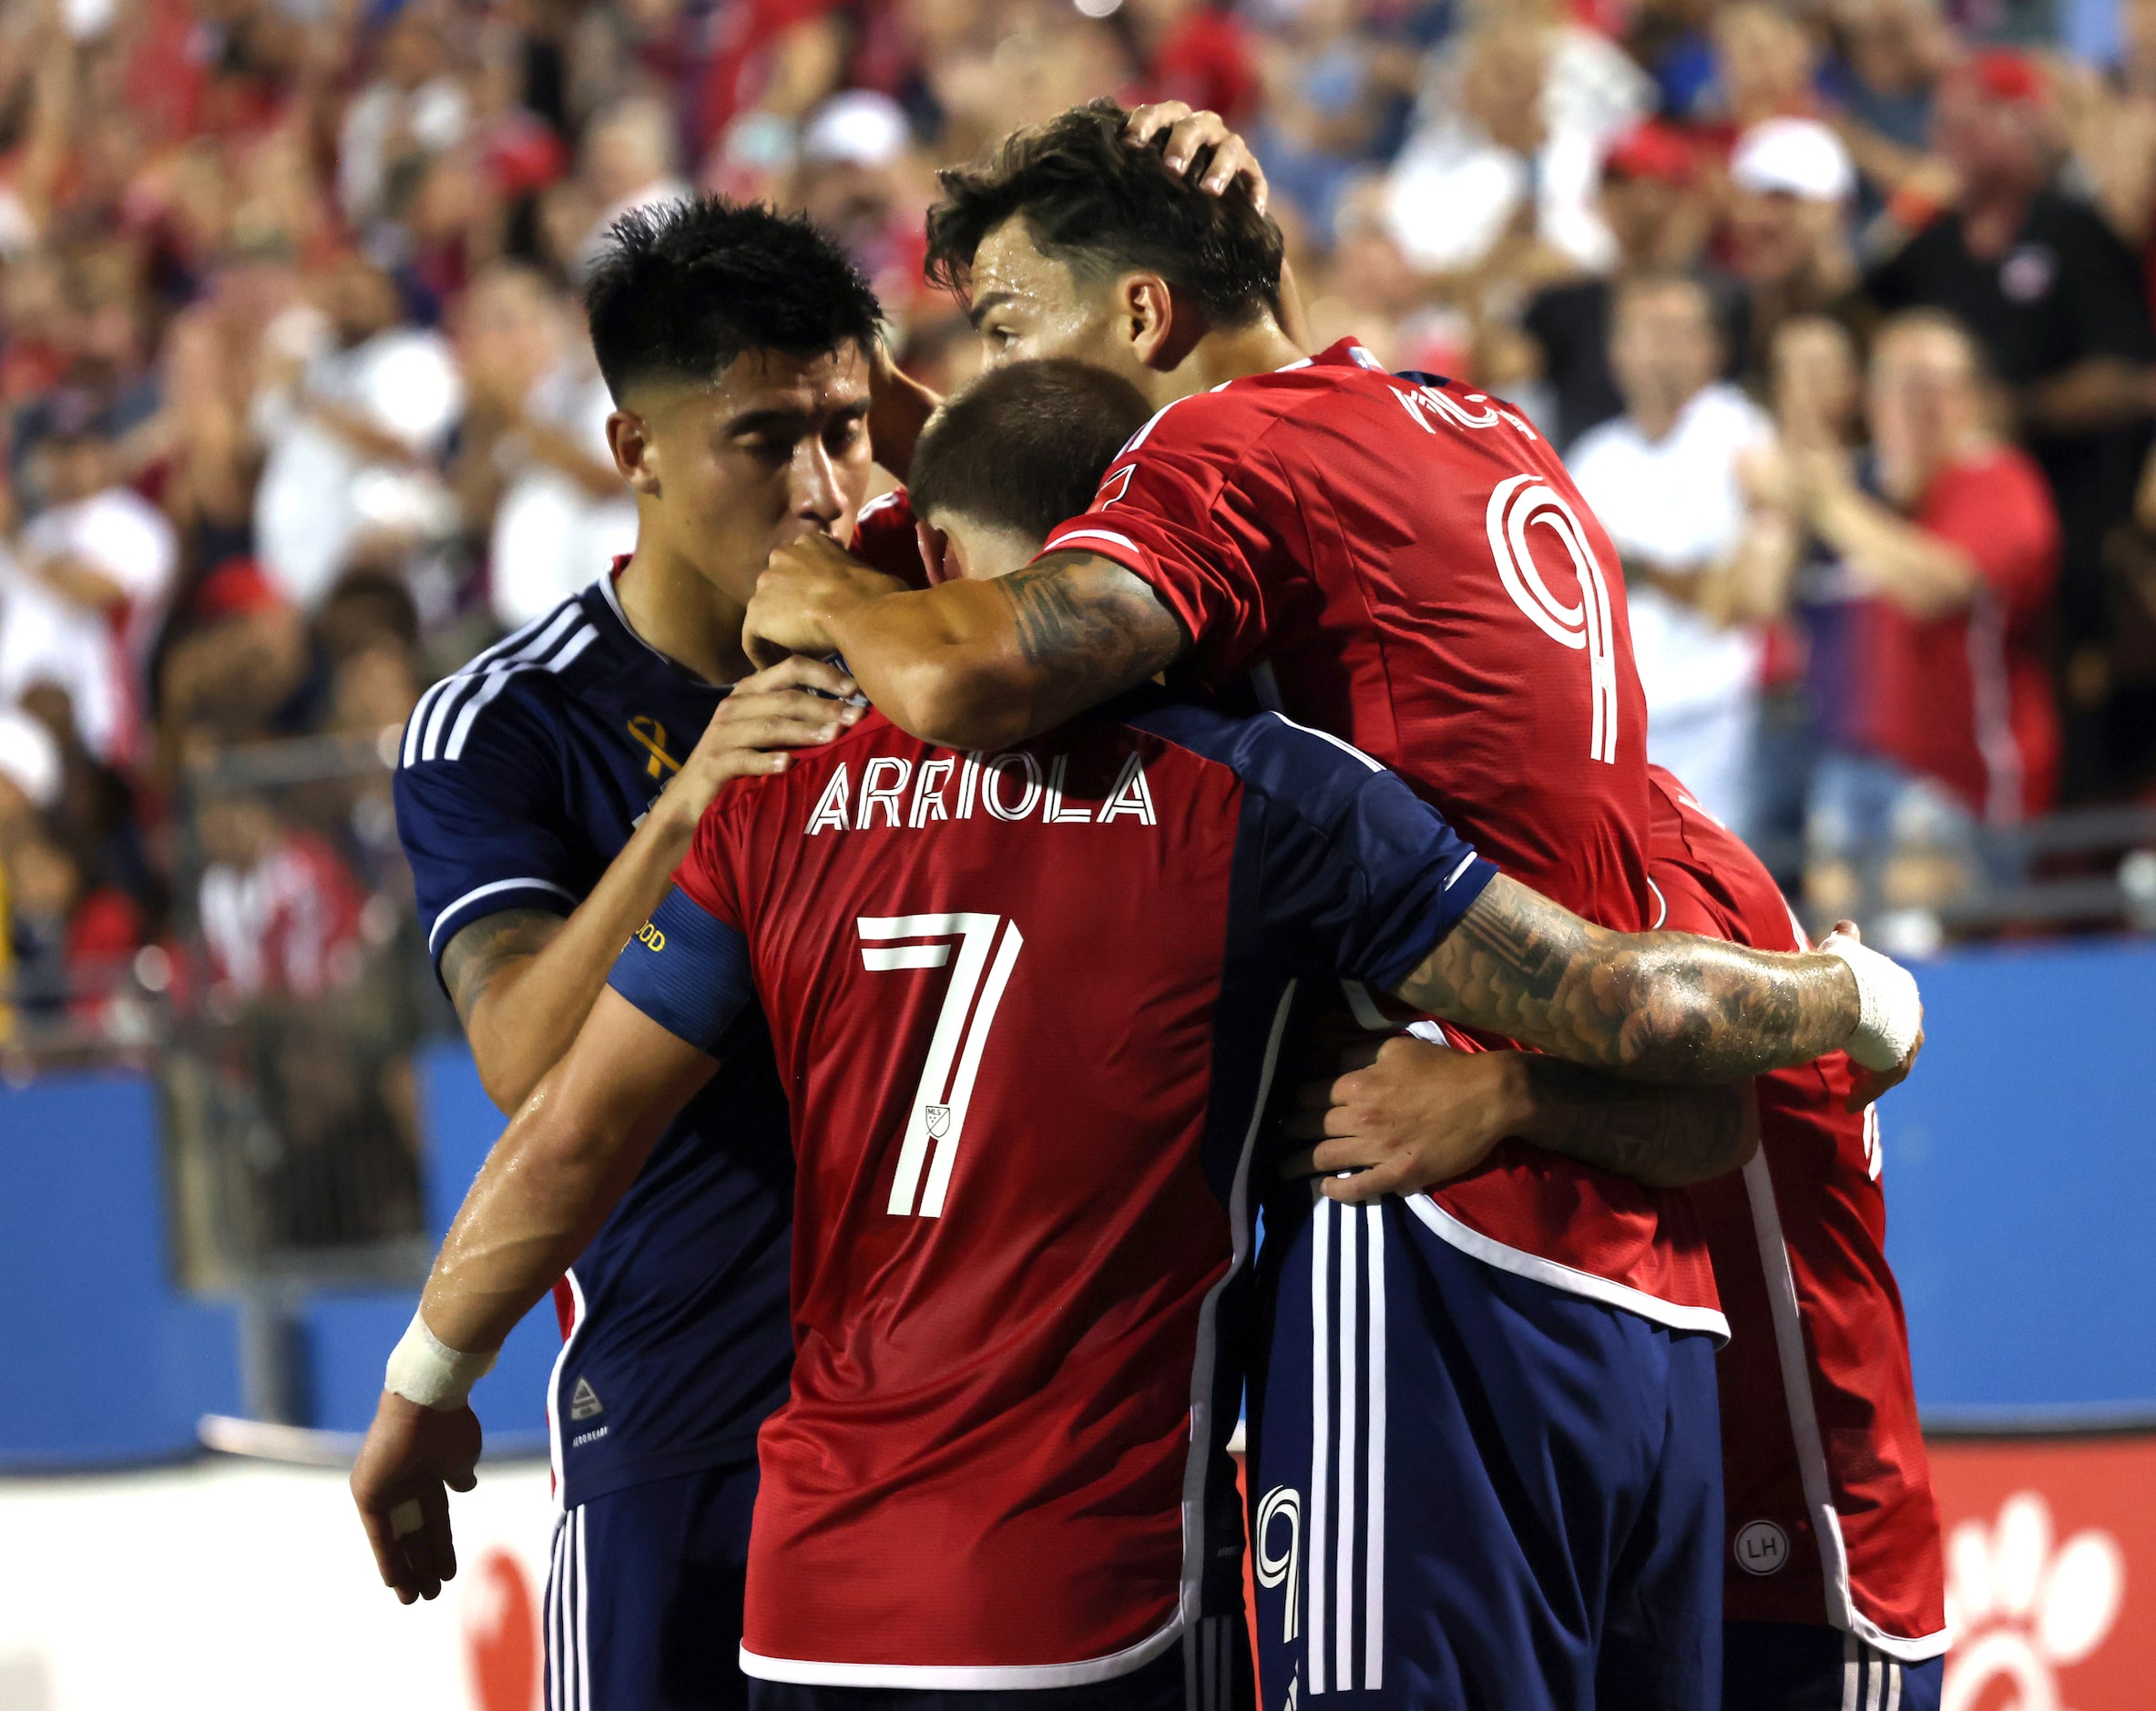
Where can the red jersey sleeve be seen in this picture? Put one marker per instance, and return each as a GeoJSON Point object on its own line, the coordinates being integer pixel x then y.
{"type": "Point", "coordinates": [706, 876]}
{"type": "Point", "coordinates": [885, 538]}
{"type": "Point", "coordinates": [1186, 506]}
{"type": "Point", "coordinates": [1998, 510]}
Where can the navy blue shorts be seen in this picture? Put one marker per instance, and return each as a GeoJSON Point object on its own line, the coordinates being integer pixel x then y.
{"type": "Point", "coordinates": [644, 1597]}
{"type": "Point", "coordinates": [1210, 1671]}
{"type": "Point", "coordinates": [1481, 1490]}
{"type": "Point", "coordinates": [1791, 1666]}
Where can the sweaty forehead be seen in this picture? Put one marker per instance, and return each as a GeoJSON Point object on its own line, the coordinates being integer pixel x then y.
{"type": "Point", "coordinates": [1007, 264]}
{"type": "Point", "coordinates": [774, 380]}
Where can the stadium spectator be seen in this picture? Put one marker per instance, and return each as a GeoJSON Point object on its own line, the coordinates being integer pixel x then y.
{"type": "Point", "coordinates": [415, 108]}
{"type": "Point", "coordinates": [1503, 167]}
{"type": "Point", "coordinates": [1658, 214]}
{"type": "Point", "coordinates": [532, 450]}
{"type": "Point", "coordinates": [1780, 570]}
{"type": "Point", "coordinates": [1764, 69]}
{"type": "Point", "coordinates": [1790, 182]}
{"type": "Point", "coordinates": [1329, 86]}
{"type": "Point", "coordinates": [279, 908]}
{"type": "Point", "coordinates": [1929, 683]}
{"type": "Point", "coordinates": [351, 435]}
{"type": "Point", "coordinates": [2060, 308]}
{"type": "Point", "coordinates": [1663, 479]}
{"type": "Point", "coordinates": [630, 161]}
{"type": "Point", "coordinates": [859, 180]}
{"type": "Point", "coordinates": [88, 588]}
{"type": "Point", "coordinates": [1881, 82]}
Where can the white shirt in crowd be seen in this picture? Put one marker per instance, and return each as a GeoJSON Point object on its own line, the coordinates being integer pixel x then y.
{"type": "Point", "coordinates": [1453, 191]}
{"type": "Point", "coordinates": [319, 493]}
{"type": "Point", "coordinates": [44, 638]}
{"type": "Point", "coordinates": [551, 534]}
{"type": "Point", "coordinates": [433, 116]}
{"type": "Point", "coordinates": [1676, 502]}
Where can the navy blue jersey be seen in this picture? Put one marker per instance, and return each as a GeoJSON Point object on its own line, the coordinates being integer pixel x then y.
{"type": "Point", "coordinates": [1027, 1006]}
{"type": "Point", "coordinates": [521, 778]}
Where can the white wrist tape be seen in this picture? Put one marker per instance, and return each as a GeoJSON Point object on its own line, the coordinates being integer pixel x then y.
{"type": "Point", "coordinates": [425, 1369]}
{"type": "Point", "coordinates": [1889, 1012]}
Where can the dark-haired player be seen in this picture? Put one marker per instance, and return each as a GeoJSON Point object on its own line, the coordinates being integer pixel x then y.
{"type": "Point", "coordinates": [1004, 462]}
{"type": "Point", "coordinates": [544, 795]}
{"type": "Point", "coordinates": [1406, 566]}
{"type": "Point", "coordinates": [1028, 1003]}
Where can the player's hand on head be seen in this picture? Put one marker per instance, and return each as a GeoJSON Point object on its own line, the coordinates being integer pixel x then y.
{"type": "Point", "coordinates": [803, 587]}
{"type": "Point", "coordinates": [1188, 132]}
{"type": "Point", "coordinates": [1414, 1116]}
{"type": "Point", "coordinates": [413, 1459]}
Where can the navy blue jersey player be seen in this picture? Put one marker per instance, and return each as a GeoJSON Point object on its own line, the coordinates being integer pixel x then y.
{"type": "Point", "coordinates": [545, 794]}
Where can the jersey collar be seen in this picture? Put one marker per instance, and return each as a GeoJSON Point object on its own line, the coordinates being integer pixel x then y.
{"type": "Point", "coordinates": [611, 597]}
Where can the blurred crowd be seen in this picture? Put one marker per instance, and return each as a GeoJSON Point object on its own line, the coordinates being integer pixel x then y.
{"type": "Point", "coordinates": [1840, 310]}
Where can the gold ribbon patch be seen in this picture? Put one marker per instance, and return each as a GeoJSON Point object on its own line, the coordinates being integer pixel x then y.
{"type": "Point", "coordinates": [652, 734]}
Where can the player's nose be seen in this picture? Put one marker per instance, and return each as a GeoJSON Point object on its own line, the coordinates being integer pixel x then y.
{"type": "Point", "coordinates": [819, 494]}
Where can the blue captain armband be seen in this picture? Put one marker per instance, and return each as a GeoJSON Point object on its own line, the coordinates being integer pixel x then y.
{"type": "Point", "coordinates": [687, 970]}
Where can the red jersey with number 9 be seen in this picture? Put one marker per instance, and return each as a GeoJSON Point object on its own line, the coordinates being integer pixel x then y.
{"type": "Point", "coordinates": [1403, 562]}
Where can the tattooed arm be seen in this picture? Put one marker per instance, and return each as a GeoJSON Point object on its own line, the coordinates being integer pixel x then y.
{"type": "Point", "coordinates": [524, 981]}
{"type": "Point", "coordinates": [1655, 1007]}
{"type": "Point", "coordinates": [969, 665]}
{"type": "Point", "coordinates": [1419, 1114]}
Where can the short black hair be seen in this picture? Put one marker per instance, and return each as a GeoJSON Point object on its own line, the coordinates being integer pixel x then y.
{"type": "Point", "coordinates": [683, 288]}
{"type": "Point", "coordinates": [1025, 446]}
{"type": "Point", "coordinates": [1102, 205]}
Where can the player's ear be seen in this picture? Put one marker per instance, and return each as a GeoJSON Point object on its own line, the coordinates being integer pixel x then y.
{"type": "Point", "coordinates": [1145, 315]}
{"type": "Point", "coordinates": [938, 558]}
{"type": "Point", "coordinates": [628, 437]}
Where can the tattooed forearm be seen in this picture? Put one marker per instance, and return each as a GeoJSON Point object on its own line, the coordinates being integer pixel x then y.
{"type": "Point", "coordinates": [1087, 623]}
{"type": "Point", "coordinates": [1666, 1137]}
{"type": "Point", "coordinates": [482, 951]}
{"type": "Point", "coordinates": [1657, 1006]}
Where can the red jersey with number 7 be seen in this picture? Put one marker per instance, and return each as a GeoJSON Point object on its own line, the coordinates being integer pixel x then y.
{"type": "Point", "coordinates": [1403, 562]}
{"type": "Point", "coordinates": [1025, 1008]}
{"type": "Point", "coordinates": [1828, 1492]}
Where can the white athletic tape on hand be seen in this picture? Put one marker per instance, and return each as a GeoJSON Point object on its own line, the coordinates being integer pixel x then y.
{"type": "Point", "coordinates": [405, 1519]}
{"type": "Point", "coordinates": [1889, 1012]}
{"type": "Point", "coordinates": [425, 1369]}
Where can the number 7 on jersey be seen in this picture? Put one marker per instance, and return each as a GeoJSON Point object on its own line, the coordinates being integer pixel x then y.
{"type": "Point", "coordinates": [938, 1117]}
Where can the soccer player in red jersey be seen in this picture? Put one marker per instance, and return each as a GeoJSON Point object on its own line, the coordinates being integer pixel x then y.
{"type": "Point", "coordinates": [1833, 1574]}
{"type": "Point", "coordinates": [1020, 1294]}
{"type": "Point", "coordinates": [1403, 565]}
{"type": "Point", "coordinates": [1834, 1581]}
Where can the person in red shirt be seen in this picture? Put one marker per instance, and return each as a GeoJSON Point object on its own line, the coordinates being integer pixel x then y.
{"type": "Point", "coordinates": [1833, 1564]}
{"type": "Point", "coordinates": [1401, 563]}
{"type": "Point", "coordinates": [1929, 674]}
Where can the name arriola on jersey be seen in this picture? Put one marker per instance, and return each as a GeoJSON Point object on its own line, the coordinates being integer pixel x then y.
{"type": "Point", "coordinates": [1011, 786]}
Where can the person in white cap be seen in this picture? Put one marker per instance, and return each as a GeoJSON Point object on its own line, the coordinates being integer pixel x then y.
{"type": "Point", "coordinates": [859, 180]}
{"type": "Point", "coordinates": [1792, 184]}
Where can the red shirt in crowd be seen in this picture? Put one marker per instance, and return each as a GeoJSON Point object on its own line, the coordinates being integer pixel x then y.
{"type": "Point", "coordinates": [1963, 699]}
